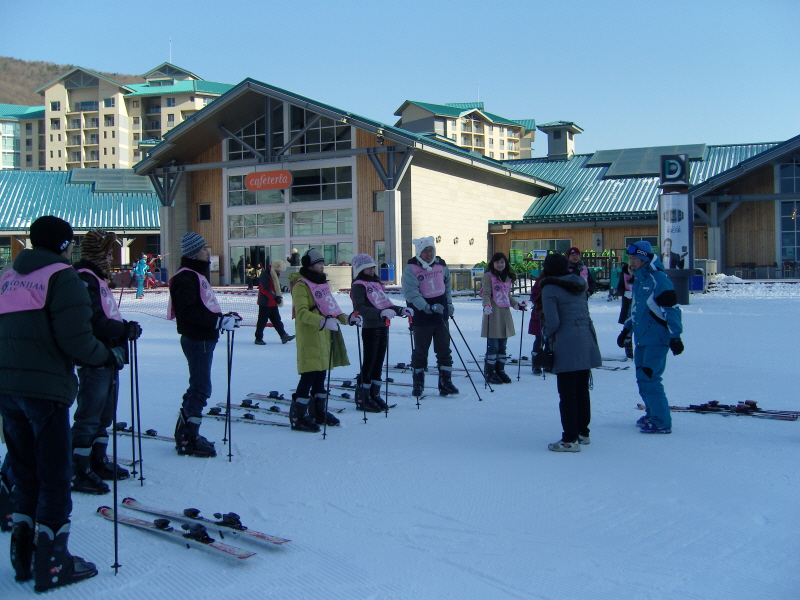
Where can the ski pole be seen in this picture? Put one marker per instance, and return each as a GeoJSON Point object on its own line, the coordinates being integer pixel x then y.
{"type": "Point", "coordinates": [521, 333]}
{"type": "Point", "coordinates": [360, 378]}
{"type": "Point", "coordinates": [486, 361]}
{"type": "Point", "coordinates": [228, 422]}
{"type": "Point", "coordinates": [411, 333]}
{"type": "Point", "coordinates": [491, 389]}
{"type": "Point", "coordinates": [387, 369]}
{"type": "Point", "coordinates": [328, 385]}
{"type": "Point", "coordinates": [134, 472]}
{"type": "Point", "coordinates": [138, 411]}
{"type": "Point", "coordinates": [121, 289]}
{"type": "Point", "coordinates": [114, 390]}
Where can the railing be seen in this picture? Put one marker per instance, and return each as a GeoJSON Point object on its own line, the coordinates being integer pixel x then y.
{"type": "Point", "coordinates": [93, 124]}
{"type": "Point", "coordinates": [85, 106]}
{"type": "Point", "coordinates": [153, 110]}
{"type": "Point", "coordinates": [74, 124]}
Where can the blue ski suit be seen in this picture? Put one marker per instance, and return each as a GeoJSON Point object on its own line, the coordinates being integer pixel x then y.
{"type": "Point", "coordinates": [654, 319]}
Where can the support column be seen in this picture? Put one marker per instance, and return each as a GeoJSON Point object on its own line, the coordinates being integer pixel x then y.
{"type": "Point", "coordinates": [170, 245]}
{"type": "Point", "coordinates": [125, 251]}
{"type": "Point", "coordinates": [392, 229]}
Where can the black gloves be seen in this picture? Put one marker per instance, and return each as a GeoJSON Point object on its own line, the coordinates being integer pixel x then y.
{"type": "Point", "coordinates": [133, 330]}
{"type": "Point", "coordinates": [676, 345]}
{"type": "Point", "coordinates": [622, 338]}
{"type": "Point", "coordinates": [116, 358]}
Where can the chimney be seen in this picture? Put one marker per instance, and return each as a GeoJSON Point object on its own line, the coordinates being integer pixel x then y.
{"type": "Point", "coordinates": [560, 139]}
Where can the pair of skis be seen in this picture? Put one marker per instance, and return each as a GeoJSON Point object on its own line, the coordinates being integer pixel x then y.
{"type": "Point", "coordinates": [195, 530]}
{"type": "Point", "coordinates": [747, 408]}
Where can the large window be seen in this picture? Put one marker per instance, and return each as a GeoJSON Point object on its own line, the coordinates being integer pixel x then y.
{"type": "Point", "coordinates": [323, 222]}
{"type": "Point", "coordinates": [521, 249]}
{"type": "Point", "coordinates": [5, 251]}
{"type": "Point", "coordinates": [256, 225]}
{"type": "Point", "coordinates": [331, 183]}
{"type": "Point", "coordinates": [238, 195]}
{"type": "Point", "coordinates": [255, 134]}
{"type": "Point", "coordinates": [790, 229]}
{"type": "Point", "coordinates": [333, 253]}
{"type": "Point", "coordinates": [325, 135]}
{"type": "Point", "coordinates": [790, 176]}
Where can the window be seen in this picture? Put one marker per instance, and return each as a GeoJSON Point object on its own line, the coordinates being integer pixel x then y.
{"type": "Point", "coordinates": [255, 134]}
{"type": "Point", "coordinates": [170, 101]}
{"type": "Point", "coordinates": [331, 183]}
{"type": "Point", "coordinates": [171, 120]}
{"type": "Point", "coordinates": [557, 135]}
{"type": "Point", "coordinates": [59, 137]}
{"type": "Point", "coordinates": [105, 135]}
{"type": "Point", "coordinates": [378, 201]}
{"type": "Point", "coordinates": [502, 156]}
{"type": "Point", "coordinates": [28, 128]}
{"type": "Point", "coordinates": [502, 143]}
{"type": "Point", "coordinates": [154, 125]}
{"type": "Point", "coordinates": [28, 160]}
{"type": "Point", "coordinates": [239, 196]}
{"type": "Point", "coordinates": [790, 228]}
{"type": "Point", "coordinates": [59, 154]}
{"type": "Point", "coordinates": [203, 212]}
{"type": "Point", "coordinates": [491, 154]}
{"type": "Point", "coordinates": [256, 225]}
{"type": "Point", "coordinates": [326, 134]}
{"type": "Point", "coordinates": [136, 123]}
{"type": "Point", "coordinates": [333, 253]}
{"type": "Point", "coordinates": [136, 153]}
{"type": "Point", "coordinates": [789, 174]}
{"type": "Point", "coordinates": [105, 151]}
{"type": "Point", "coordinates": [10, 143]}
{"type": "Point", "coordinates": [380, 253]}
{"type": "Point", "coordinates": [323, 222]}
{"type": "Point", "coordinates": [521, 249]}
{"type": "Point", "coordinates": [113, 150]}
{"type": "Point", "coordinates": [55, 106]}
{"type": "Point", "coordinates": [113, 135]}
{"type": "Point", "coordinates": [51, 137]}
{"type": "Point", "coordinates": [491, 142]}
{"type": "Point", "coordinates": [152, 245]}
{"type": "Point", "coordinates": [108, 121]}
{"type": "Point", "coordinates": [109, 102]}
{"type": "Point", "coordinates": [134, 104]}
{"type": "Point", "coordinates": [5, 251]}
{"type": "Point", "coordinates": [55, 124]}
{"type": "Point", "coordinates": [137, 137]}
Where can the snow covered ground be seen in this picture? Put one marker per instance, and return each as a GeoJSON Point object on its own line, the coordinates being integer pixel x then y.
{"type": "Point", "coordinates": [461, 499]}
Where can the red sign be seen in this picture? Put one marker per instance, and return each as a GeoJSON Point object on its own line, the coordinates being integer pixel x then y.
{"type": "Point", "coordinates": [268, 180]}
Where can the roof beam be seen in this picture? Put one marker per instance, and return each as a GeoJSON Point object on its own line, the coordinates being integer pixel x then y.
{"type": "Point", "coordinates": [241, 141]}
{"type": "Point", "coordinates": [298, 135]}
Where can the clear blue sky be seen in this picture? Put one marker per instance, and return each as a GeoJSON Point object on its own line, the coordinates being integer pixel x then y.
{"type": "Point", "coordinates": [630, 73]}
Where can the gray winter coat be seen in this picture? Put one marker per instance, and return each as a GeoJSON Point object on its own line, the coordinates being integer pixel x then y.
{"type": "Point", "coordinates": [568, 325]}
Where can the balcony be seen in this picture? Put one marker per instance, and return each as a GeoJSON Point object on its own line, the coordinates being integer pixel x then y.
{"type": "Point", "coordinates": [73, 124]}
{"type": "Point", "coordinates": [74, 157]}
{"type": "Point", "coordinates": [92, 140]}
{"type": "Point", "coordinates": [85, 106]}
{"type": "Point", "coordinates": [93, 157]}
{"type": "Point", "coordinates": [153, 110]}
{"type": "Point", "coordinates": [92, 124]}
{"type": "Point", "coordinates": [153, 126]}
{"type": "Point", "coordinates": [512, 134]}
{"type": "Point", "coordinates": [74, 140]}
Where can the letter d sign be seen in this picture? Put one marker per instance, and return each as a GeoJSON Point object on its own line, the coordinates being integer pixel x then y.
{"type": "Point", "coordinates": [674, 169]}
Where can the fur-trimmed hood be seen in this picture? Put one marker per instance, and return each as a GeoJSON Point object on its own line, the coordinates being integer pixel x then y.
{"type": "Point", "coordinates": [574, 284]}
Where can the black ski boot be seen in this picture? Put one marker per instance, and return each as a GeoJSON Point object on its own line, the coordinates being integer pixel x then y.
{"type": "Point", "coordinates": [84, 480]}
{"type": "Point", "coordinates": [489, 370]}
{"type": "Point", "coordinates": [53, 565]}
{"type": "Point", "coordinates": [446, 386]}
{"type": "Point", "coordinates": [99, 463]}
{"type": "Point", "coordinates": [188, 440]}
{"type": "Point", "coordinates": [500, 370]}
{"type": "Point", "coordinates": [320, 415]}
{"type": "Point", "coordinates": [298, 415]}
{"type": "Point", "coordinates": [419, 383]}
{"type": "Point", "coordinates": [22, 547]}
{"type": "Point", "coordinates": [375, 395]}
{"type": "Point", "coordinates": [364, 401]}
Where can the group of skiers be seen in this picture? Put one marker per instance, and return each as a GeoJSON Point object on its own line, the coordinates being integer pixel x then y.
{"type": "Point", "coordinates": [53, 317]}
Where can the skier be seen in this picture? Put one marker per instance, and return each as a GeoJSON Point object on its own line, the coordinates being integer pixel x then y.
{"type": "Point", "coordinates": [140, 271]}
{"type": "Point", "coordinates": [250, 273]}
{"type": "Point", "coordinates": [655, 321]}
{"type": "Point", "coordinates": [535, 324]}
{"type": "Point", "coordinates": [98, 386]}
{"type": "Point", "coordinates": [576, 266]}
{"type": "Point", "coordinates": [427, 289]}
{"type": "Point", "coordinates": [372, 305]}
{"type": "Point", "coordinates": [45, 327]}
{"type": "Point", "coordinates": [497, 325]}
{"type": "Point", "coordinates": [319, 341]}
{"type": "Point", "coordinates": [270, 299]}
{"type": "Point", "coordinates": [199, 319]}
{"type": "Point", "coordinates": [569, 327]}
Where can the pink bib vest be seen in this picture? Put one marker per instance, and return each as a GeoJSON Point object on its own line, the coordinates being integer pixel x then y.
{"type": "Point", "coordinates": [376, 294]}
{"type": "Point", "coordinates": [110, 308]}
{"type": "Point", "coordinates": [207, 295]}
{"type": "Point", "coordinates": [584, 272]}
{"type": "Point", "coordinates": [431, 283]}
{"type": "Point", "coordinates": [326, 303]}
{"type": "Point", "coordinates": [501, 291]}
{"type": "Point", "coordinates": [26, 292]}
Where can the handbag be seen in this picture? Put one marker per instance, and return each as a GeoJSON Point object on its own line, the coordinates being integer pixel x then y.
{"type": "Point", "coordinates": [543, 359]}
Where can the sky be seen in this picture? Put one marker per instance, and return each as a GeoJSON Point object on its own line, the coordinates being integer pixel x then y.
{"type": "Point", "coordinates": [629, 73]}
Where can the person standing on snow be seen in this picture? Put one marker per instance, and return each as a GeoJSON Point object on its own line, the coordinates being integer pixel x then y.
{"type": "Point", "coordinates": [655, 320]}
{"type": "Point", "coordinates": [98, 387]}
{"type": "Point", "coordinates": [576, 266]}
{"type": "Point", "coordinates": [270, 299]}
{"type": "Point", "coordinates": [320, 345]}
{"type": "Point", "coordinates": [427, 289]}
{"type": "Point", "coordinates": [497, 325]}
{"type": "Point", "coordinates": [199, 319]}
{"type": "Point", "coordinates": [45, 327]}
{"type": "Point", "coordinates": [569, 327]}
{"type": "Point", "coordinates": [372, 305]}
{"type": "Point", "coordinates": [140, 271]}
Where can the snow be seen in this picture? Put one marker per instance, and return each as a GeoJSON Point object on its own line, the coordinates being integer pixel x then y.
{"type": "Point", "coordinates": [461, 499]}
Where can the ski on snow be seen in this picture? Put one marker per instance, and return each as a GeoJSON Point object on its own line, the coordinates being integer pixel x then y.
{"type": "Point", "coordinates": [196, 535]}
{"type": "Point", "coordinates": [279, 399]}
{"type": "Point", "coordinates": [605, 368]}
{"type": "Point", "coordinates": [218, 414]}
{"type": "Point", "coordinates": [714, 408]}
{"type": "Point", "coordinates": [228, 523]}
{"type": "Point", "coordinates": [150, 433]}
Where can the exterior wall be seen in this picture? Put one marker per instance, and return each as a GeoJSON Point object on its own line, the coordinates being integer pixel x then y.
{"type": "Point", "coordinates": [370, 222]}
{"type": "Point", "coordinates": [750, 234]}
{"type": "Point", "coordinates": [206, 188]}
{"type": "Point", "coordinates": [613, 237]}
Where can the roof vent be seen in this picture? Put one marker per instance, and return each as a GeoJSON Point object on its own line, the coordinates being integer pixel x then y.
{"type": "Point", "coordinates": [560, 139]}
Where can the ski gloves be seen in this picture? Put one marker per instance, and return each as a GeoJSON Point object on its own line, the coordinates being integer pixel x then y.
{"type": "Point", "coordinates": [622, 338]}
{"type": "Point", "coordinates": [487, 310]}
{"type": "Point", "coordinates": [441, 309]}
{"type": "Point", "coordinates": [388, 313]}
{"type": "Point", "coordinates": [406, 312]}
{"type": "Point", "coordinates": [229, 321]}
{"type": "Point", "coordinates": [116, 358]}
{"type": "Point", "coordinates": [676, 345]}
{"type": "Point", "coordinates": [331, 323]}
{"type": "Point", "coordinates": [132, 330]}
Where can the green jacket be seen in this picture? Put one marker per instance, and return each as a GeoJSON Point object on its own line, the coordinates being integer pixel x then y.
{"type": "Point", "coordinates": [313, 345]}
{"type": "Point", "coordinates": [39, 348]}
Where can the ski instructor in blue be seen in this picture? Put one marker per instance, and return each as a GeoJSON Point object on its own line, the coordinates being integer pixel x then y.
{"type": "Point", "coordinates": [655, 320]}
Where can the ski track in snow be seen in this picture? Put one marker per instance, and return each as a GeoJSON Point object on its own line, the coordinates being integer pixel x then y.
{"type": "Point", "coordinates": [461, 499]}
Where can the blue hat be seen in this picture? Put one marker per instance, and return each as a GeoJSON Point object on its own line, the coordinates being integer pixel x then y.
{"type": "Point", "coordinates": [641, 249]}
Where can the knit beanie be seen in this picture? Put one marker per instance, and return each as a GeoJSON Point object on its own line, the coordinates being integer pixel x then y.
{"type": "Point", "coordinates": [96, 246]}
{"type": "Point", "coordinates": [556, 265]}
{"type": "Point", "coordinates": [361, 262]}
{"type": "Point", "coordinates": [643, 250]}
{"type": "Point", "coordinates": [573, 250]}
{"type": "Point", "coordinates": [420, 245]}
{"type": "Point", "coordinates": [312, 257]}
{"type": "Point", "coordinates": [51, 233]}
{"type": "Point", "coordinates": [191, 244]}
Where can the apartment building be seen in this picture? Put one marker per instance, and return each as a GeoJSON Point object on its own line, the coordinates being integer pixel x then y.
{"type": "Point", "coordinates": [471, 127]}
{"type": "Point", "coordinates": [91, 121]}
{"type": "Point", "coordinates": [21, 136]}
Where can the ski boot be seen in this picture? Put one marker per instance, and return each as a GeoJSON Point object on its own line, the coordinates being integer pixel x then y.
{"type": "Point", "coordinates": [363, 399]}
{"type": "Point", "coordinates": [320, 415]}
{"type": "Point", "coordinates": [22, 536]}
{"type": "Point", "coordinates": [298, 415]}
{"type": "Point", "coordinates": [489, 371]}
{"type": "Point", "coordinates": [188, 440]}
{"type": "Point", "coordinates": [99, 463]}
{"type": "Point", "coordinates": [375, 395]}
{"type": "Point", "coordinates": [500, 371]}
{"type": "Point", "coordinates": [53, 565]}
{"type": "Point", "coordinates": [84, 480]}
{"type": "Point", "coordinates": [446, 386]}
{"type": "Point", "coordinates": [419, 383]}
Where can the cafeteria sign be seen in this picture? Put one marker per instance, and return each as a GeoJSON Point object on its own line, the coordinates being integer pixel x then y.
{"type": "Point", "coordinates": [268, 180]}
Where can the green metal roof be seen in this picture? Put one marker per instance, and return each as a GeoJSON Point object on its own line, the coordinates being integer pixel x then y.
{"type": "Point", "coordinates": [17, 111]}
{"type": "Point", "coordinates": [478, 105]}
{"type": "Point", "coordinates": [27, 195]}
{"type": "Point", "coordinates": [180, 87]}
{"type": "Point", "coordinates": [588, 195]}
{"type": "Point", "coordinates": [528, 124]}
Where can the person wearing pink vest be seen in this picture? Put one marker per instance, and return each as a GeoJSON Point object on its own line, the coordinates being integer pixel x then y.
{"type": "Point", "coordinates": [427, 289]}
{"type": "Point", "coordinates": [320, 345]}
{"type": "Point", "coordinates": [577, 267]}
{"type": "Point", "coordinates": [497, 325]}
{"type": "Point", "coordinates": [199, 319]}
{"type": "Point", "coordinates": [98, 386]}
{"type": "Point", "coordinates": [375, 308]}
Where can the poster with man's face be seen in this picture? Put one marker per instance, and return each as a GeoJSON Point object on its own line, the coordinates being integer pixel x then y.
{"type": "Point", "coordinates": [674, 231]}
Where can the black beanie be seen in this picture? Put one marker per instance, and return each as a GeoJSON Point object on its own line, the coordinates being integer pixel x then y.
{"type": "Point", "coordinates": [52, 233]}
{"type": "Point", "coordinates": [556, 265]}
